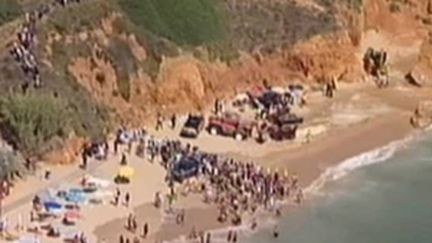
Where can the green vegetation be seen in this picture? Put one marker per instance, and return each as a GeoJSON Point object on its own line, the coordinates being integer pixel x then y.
{"type": "Point", "coordinates": [9, 10]}
{"type": "Point", "coordinates": [124, 63]}
{"type": "Point", "coordinates": [37, 123]}
{"type": "Point", "coordinates": [222, 51]}
{"type": "Point", "coordinates": [33, 120]}
{"type": "Point", "coordinates": [355, 4]}
{"type": "Point", "coordinates": [79, 17]}
{"type": "Point", "coordinates": [186, 22]}
{"type": "Point", "coordinates": [10, 165]}
{"type": "Point", "coordinates": [64, 53]}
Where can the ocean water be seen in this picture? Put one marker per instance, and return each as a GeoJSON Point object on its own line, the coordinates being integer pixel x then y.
{"type": "Point", "coordinates": [383, 196]}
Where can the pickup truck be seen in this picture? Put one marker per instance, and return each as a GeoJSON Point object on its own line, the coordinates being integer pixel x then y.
{"type": "Point", "coordinates": [230, 124]}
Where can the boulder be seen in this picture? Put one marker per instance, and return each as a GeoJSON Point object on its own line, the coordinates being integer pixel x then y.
{"type": "Point", "coordinates": [422, 117]}
{"type": "Point", "coordinates": [420, 76]}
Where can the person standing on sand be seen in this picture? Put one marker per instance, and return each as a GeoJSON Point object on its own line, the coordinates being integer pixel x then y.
{"type": "Point", "coordinates": [299, 196]}
{"type": "Point", "coordinates": [254, 224]}
{"type": "Point", "coordinates": [84, 158]}
{"type": "Point", "coordinates": [129, 222]}
{"type": "Point", "coordinates": [229, 237]}
{"type": "Point", "coordinates": [123, 160]}
{"type": "Point", "coordinates": [201, 237]}
{"type": "Point", "coordinates": [117, 197]}
{"type": "Point", "coordinates": [208, 238]}
{"type": "Point", "coordinates": [121, 239]}
{"type": "Point", "coordinates": [173, 121]}
{"type": "Point", "coordinates": [129, 146]}
{"type": "Point", "coordinates": [234, 238]}
{"type": "Point", "coordinates": [116, 142]}
{"type": "Point", "coordinates": [159, 122]}
{"type": "Point", "coordinates": [47, 175]}
{"type": "Point", "coordinates": [145, 230]}
{"type": "Point", "coordinates": [134, 224]}
{"type": "Point", "coordinates": [127, 199]}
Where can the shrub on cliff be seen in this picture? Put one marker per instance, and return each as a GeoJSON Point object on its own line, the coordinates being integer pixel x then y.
{"type": "Point", "coordinates": [10, 165]}
{"type": "Point", "coordinates": [187, 22]}
{"type": "Point", "coordinates": [124, 63]}
{"type": "Point", "coordinates": [32, 121]}
{"type": "Point", "coordinates": [9, 10]}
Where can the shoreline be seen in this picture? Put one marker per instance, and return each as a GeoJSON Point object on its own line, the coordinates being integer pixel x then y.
{"type": "Point", "coordinates": [382, 128]}
{"type": "Point", "coordinates": [341, 141]}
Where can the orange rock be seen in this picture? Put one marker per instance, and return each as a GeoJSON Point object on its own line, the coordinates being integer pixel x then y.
{"type": "Point", "coordinates": [66, 155]}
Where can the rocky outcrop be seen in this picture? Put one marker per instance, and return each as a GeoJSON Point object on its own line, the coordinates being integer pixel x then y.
{"type": "Point", "coordinates": [421, 74]}
{"type": "Point", "coordinates": [67, 154]}
{"type": "Point", "coordinates": [422, 117]}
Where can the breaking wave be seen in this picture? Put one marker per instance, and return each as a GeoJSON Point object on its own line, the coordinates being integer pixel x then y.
{"type": "Point", "coordinates": [375, 156]}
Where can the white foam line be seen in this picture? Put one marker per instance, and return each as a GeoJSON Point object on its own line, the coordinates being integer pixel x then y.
{"type": "Point", "coordinates": [347, 166]}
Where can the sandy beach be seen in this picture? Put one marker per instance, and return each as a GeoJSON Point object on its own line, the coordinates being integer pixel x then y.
{"type": "Point", "coordinates": [359, 119]}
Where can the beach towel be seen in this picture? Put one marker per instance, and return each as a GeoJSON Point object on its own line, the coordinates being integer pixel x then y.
{"type": "Point", "coordinates": [29, 239]}
{"type": "Point", "coordinates": [98, 182]}
{"type": "Point", "coordinates": [75, 195]}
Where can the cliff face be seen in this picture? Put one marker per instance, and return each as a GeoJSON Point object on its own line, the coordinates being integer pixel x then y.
{"type": "Point", "coordinates": [279, 42]}
{"type": "Point", "coordinates": [137, 57]}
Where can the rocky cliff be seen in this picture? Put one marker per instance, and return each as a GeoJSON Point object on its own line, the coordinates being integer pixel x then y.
{"type": "Point", "coordinates": [136, 57]}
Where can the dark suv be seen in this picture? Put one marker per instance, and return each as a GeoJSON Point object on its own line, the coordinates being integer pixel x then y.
{"type": "Point", "coordinates": [193, 126]}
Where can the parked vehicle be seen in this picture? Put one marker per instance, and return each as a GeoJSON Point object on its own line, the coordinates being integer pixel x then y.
{"type": "Point", "coordinates": [230, 124]}
{"type": "Point", "coordinates": [185, 168]}
{"type": "Point", "coordinates": [285, 118]}
{"type": "Point", "coordinates": [283, 132]}
{"type": "Point", "coordinates": [193, 126]}
{"type": "Point", "coordinates": [283, 126]}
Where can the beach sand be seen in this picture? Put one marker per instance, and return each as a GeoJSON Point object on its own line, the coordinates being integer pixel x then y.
{"type": "Point", "coordinates": [359, 119]}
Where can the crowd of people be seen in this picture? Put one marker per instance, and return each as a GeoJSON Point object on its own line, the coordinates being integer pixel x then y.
{"type": "Point", "coordinates": [235, 187]}
{"type": "Point", "coordinates": [23, 48]}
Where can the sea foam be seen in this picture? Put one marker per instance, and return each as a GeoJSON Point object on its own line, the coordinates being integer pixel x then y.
{"type": "Point", "coordinates": [374, 156]}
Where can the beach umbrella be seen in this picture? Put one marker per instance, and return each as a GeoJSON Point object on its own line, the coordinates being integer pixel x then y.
{"type": "Point", "coordinates": [126, 171]}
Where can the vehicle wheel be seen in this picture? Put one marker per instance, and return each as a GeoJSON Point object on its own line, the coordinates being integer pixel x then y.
{"type": "Point", "coordinates": [214, 131]}
{"type": "Point", "coordinates": [238, 137]}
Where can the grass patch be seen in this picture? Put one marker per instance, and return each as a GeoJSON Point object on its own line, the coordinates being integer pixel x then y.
{"type": "Point", "coordinates": [222, 51]}
{"type": "Point", "coordinates": [78, 17]}
{"type": "Point", "coordinates": [10, 164]}
{"type": "Point", "coordinates": [34, 120]}
{"type": "Point", "coordinates": [9, 10]}
{"type": "Point", "coordinates": [88, 118]}
{"type": "Point", "coordinates": [64, 53]}
{"type": "Point", "coordinates": [355, 4]}
{"type": "Point", "coordinates": [186, 22]}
